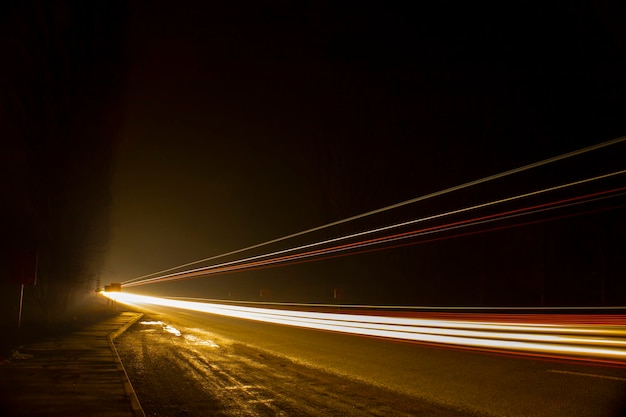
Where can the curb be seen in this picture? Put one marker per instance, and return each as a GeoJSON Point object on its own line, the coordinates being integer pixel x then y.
{"type": "Point", "coordinates": [128, 387]}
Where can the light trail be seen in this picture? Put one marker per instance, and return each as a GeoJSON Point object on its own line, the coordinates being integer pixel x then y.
{"type": "Point", "coordinates": [401, 204]}
{"type": "Point", "coordinates": [589, 342]}
{"type": "Point", "coordinates": [136, 281]}
{"type": "Point", "coordinates": [253, 263]}
{"type": "Point", "coordinates": [355, 307]}
{"type": "Point", "coordinates": [338, 251]}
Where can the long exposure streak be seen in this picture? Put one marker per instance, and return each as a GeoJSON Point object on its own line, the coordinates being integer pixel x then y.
{"type": "Point", "coordinates": [590, 342]}
{"type": "Point", "coordinates": [253, 262]}
{"type": "Point", "coordinates": [415, 200]}
{"type": "Point", "coordinates": [391, 227]}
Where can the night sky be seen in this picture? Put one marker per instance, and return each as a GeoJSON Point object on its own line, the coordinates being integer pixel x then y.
{"type": "Point", "coordinates": [240, 123]}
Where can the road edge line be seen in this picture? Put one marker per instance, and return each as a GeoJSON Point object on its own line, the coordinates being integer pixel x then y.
{"type": "Point", "coordinates": [558, 371]}
{"type": "Point", "coordinates": [128, 387]}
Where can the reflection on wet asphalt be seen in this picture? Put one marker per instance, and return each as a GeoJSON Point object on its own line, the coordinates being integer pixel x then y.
{"type": "Point", "coordinates": [178, 371]}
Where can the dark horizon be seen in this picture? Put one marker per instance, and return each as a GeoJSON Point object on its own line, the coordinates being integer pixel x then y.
{"type": "Point", "coordinates": [183, 132]}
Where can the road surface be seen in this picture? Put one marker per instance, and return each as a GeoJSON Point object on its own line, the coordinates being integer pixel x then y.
{"type": "Point", "coordinates": [240, 367]}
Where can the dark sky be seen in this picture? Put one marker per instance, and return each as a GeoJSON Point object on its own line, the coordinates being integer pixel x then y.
{"type": "Point", "coordinates": [246, 122]}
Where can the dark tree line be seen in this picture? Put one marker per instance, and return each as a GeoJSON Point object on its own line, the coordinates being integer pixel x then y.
{"type": "Point", "coordinates": [62, 78]}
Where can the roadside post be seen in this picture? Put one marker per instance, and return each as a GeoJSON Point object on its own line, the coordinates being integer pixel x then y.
{"type": "Point", "coordinates": [25, 265]}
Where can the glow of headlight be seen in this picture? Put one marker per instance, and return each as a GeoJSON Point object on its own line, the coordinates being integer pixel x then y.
{"type": "Point", "coordinates": [480, 334]}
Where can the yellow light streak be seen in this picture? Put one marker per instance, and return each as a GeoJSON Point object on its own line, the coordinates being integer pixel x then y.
{"type": "Point", "coordinates": [607, 342]}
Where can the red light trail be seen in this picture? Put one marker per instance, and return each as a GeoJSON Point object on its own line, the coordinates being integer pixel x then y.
{"type": "Point", "coordinates": [551, 337]}
{"type": "Point", "coordinates": [325, 253]}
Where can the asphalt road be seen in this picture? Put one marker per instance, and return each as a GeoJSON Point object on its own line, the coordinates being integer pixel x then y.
{"type": "Point", "coordinates": [252, 368]}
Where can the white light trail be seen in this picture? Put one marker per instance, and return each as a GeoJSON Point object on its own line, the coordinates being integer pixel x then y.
{"type": "Point", "coordinates": [386, 228]}
{"type": "Point", "coordinates": [401, 204]}
{"type": "Point", "coordinates": [606, 343]}
{"type": "Point", "coordinates": [276, 258]}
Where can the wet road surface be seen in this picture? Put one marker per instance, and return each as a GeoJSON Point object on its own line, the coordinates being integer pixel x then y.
{"type": "Point", "coordinates": [182, 371]}
{"type": "Point", "coordinates": [212, 365]}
